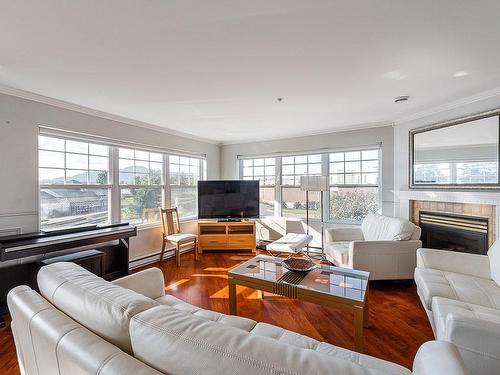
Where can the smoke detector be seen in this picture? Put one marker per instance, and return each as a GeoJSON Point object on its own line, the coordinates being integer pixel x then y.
{"type": "Point", "coordinates": [401, 99]}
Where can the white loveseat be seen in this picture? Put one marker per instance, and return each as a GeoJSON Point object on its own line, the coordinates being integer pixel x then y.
{"type": "Point", "coordinates": [83, 325]}
{"type": "Point", "coordinates": [385, 246]}
{"type": "Point", "coordinates": [462, 302]}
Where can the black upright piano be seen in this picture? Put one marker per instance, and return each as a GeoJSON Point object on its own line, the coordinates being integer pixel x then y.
{"type": "Point", "coordinates": [111, 239]}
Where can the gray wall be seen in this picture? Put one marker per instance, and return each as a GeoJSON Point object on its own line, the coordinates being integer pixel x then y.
{"type": "Point", "coordinates": [19, 123]}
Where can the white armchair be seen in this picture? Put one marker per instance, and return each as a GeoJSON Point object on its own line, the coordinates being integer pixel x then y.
{"type": "Point", "coordinates": [384, 246]}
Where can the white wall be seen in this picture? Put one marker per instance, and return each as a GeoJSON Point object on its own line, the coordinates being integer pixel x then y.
{"type": "Point", "coordinates": [336, 140]}
{"type": "Point", "coordinates": [401, 152]}
{"type": "Point", "coordinates": [19, 123]}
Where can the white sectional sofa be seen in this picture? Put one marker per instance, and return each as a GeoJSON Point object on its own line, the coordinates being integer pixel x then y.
{"type": "Point", "coordinates": [385, 246]}
{"type": "Point", "coordinates": [84, 325]}
{"type": "Point", "coordinates": [462, 302]}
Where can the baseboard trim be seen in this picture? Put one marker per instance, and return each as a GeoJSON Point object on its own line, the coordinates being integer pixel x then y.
{"type": "Point", "coordinates": [155, 257]}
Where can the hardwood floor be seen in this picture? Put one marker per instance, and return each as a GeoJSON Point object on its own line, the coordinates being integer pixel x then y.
{"type": "Point", "coordinates": [398, 323]}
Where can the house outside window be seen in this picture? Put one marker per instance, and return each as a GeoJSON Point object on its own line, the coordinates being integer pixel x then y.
{"type": "Point", "coordinates": [141, 185]}
{"type": "Point", "coordinates": [74, 183]}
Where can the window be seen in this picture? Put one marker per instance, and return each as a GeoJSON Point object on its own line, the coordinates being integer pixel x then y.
{"type": "Point", "coordinates": [184, 175]}
{"type": "Point", "coordinates": [141, 189]}
{"type": "Point", "coordinates": [73, 178]}
{"type": "Point", "coordinates": [354, 189]}
{"type": "Point", "coordinates": [263, 170]}
{"type": "Point", "coordinates": [293, 199]}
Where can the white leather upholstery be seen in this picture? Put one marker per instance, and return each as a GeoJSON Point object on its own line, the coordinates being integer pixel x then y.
{"type": "Point", "coordinates": [385, 228]}
{"type": "Point", "coordinates": [494, 259]}
{"type": "Point", "coordinates": [49, 342]}
{"type": "Point", "coordinates": [439, 358]}
{"type": "Point", "coordinates": [338, 252]}
{"type": "Point", "coordinates": [376, 247]}
{"type": "Point", "coordinates": [102, 307]}
{"type": "Point", "coordinates": [181, 237]}
{"type": "Point", "coordinates": [470, 289]}
{"type": "Point", "coordinates": [173, 336]}
{"type": "Point", "coordinates": [290, 243]}
{"type": "Point", "coordinates": [304, 342]}
{"type": "Point", "coordinates": [452, 261]}
{"type": "Point", "coordinates": [227, 350]}
{"type": "Point", "coordinates": [230, 320]}
{"type": "Point", "coordinates": [463, 305]}
{"type": "Point", "coordinates": [149, 283]}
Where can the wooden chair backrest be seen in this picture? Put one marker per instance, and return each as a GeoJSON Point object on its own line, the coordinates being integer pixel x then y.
{"type": "Point", "coordinates": [170, 221]}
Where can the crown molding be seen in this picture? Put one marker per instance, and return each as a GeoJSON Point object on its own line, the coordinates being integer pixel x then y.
{"type": "Point", "coordinates": [23, 94]}
{"type": "Point", "coordinates": [449, 106]}
{"type": "Point", "coordinates": [368, 125]}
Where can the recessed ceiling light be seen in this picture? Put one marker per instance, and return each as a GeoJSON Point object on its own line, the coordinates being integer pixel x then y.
{"type": "Point", "coordinates": [396, 75]}
{"type": "Point", "coordinates": [461, 73]}
{"type": "Point", "coordinates": [401, 99]}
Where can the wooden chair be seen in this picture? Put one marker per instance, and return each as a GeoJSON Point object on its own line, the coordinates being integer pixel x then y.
{"type": "Point", "coordinates": [171, 234]}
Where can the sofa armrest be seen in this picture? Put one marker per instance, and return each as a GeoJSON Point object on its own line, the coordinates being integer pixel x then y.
{"type": "Point", "coordinates": [385, 260]}
{"type": "Point", "coordinates": [438, 358]}
{"type": "Point", "coordinates": [149, 282]}
{"type": "Point", "coordinates": [343, 234]}
{"type": "Point", "coordinates": [453, 261]}
{"type": "Point", "coordinates": [477, 340]}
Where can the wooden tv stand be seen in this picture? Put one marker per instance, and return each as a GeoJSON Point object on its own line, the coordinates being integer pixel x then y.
{"type": "Point", "coordinates": [214, 235]}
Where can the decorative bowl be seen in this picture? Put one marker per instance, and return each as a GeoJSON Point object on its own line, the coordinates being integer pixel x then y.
{"type": "Point", "coordinates": [298, 264]}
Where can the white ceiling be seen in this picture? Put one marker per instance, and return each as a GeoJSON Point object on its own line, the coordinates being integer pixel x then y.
{"type": "Point", "coordinates": [215, 68]}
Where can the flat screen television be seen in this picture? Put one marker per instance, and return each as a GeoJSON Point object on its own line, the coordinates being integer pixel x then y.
{"type": "Point", "coordinates": [228, 199]}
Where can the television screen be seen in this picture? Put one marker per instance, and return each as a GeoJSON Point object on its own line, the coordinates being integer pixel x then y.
{"type": "Point", "coordinates": [228, 199]}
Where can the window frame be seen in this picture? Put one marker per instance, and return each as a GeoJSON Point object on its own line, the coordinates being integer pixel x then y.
{"type": "Point", "coordinates": [64, 185]}
{"type": "Point", "coordinates": [113, 185]}
{"type": "Point", "coordinates": [160, 186]}
{"type": "Point", "coordinates": [325, 171]}
{"type": "Point", "coordinates": [359, 185]}
{"type": "Point", "coordinates": [276, 180]}
{"type": "Point", "coordinates": [169, 185]}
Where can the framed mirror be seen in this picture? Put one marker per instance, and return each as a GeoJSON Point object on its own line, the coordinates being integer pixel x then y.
{"type": "Point", "coordinates": [458, 154]}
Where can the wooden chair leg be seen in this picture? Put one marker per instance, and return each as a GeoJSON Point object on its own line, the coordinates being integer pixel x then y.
{"type": "Point", "coordinates": [178, 253]}
{"type": "Point", "coordinates": [164, 244]}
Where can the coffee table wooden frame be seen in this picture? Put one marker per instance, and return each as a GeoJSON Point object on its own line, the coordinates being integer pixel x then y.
{"type": "Point", "coordinates": [358, 308]}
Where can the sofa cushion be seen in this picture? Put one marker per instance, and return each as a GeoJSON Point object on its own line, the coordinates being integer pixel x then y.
{"type": "Point", "coordinates": [305, 342]}
{"type": "Point", "coordinates": [441, 307]}
{"type": "Point", "coordinates": [102, 307]}
{"type": "Point", "coordinates": [230, 320]}
{"type": "Point", "coordinates": [177, 342]}
{"type": "Point", "coordinates": [384, 228]}
{"type": "Point", "coordinates": [494, 258]}
{"type": "Point", "coordinates": [456, 286]}
{"type": "Point", "coordinates": [338, 252]}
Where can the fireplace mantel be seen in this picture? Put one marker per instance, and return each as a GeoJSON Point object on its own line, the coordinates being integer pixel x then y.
{"type": "Point", "coordinates": [480, 197]}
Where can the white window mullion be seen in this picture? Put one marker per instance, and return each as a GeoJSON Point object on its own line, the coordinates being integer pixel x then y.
{"type": "Point", "coordinates": [325, 171]}
{"type": "Point", "coordinates": [277, 188]}
{"type": "Point", "coordinates": [166, 184]}
{"type": "Point", "coordinates": [115, 200]}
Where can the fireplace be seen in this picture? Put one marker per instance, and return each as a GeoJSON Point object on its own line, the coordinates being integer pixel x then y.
{"type": "Point", "coordinates": [449, 231]}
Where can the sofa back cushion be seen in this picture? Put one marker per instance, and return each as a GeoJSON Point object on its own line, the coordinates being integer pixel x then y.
{"type": "Point", "coordinates": [176, 342]}
{"type": "Point", "coordinates": [102, 307]}
{"type": "Point", "coordinates": [494, 258]}
{"type": "Point", "coordinates": [384, 228]}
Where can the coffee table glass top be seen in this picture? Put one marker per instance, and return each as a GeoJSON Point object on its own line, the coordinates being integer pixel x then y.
{"type": "Point", "coordinates": [336, 281]}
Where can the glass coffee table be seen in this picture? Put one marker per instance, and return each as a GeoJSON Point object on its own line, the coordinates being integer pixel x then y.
{"type": "Point", "coordinates": [335, 287]}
